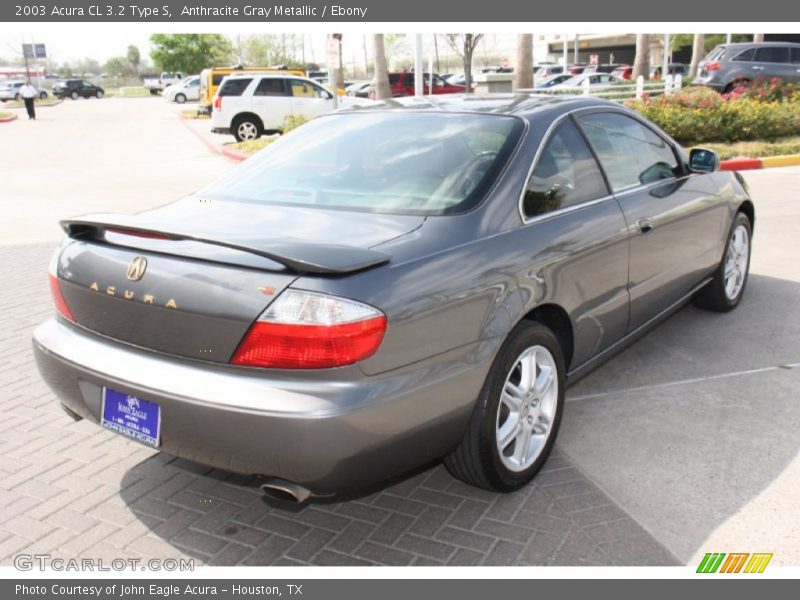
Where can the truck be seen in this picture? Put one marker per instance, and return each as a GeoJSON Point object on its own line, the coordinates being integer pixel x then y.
{"type": "Point", "coordinates": [158, 85]}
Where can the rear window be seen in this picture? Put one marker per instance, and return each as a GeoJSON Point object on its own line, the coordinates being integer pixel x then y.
{"type": "Point", "coordinates": [234, 87]}
{"type": "Point", "coordinates": [717, 53]}
{"type": "Point", "coordinates": [418, 163]}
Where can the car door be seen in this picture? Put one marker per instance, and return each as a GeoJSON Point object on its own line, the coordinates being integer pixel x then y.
{"type": "Point", "coordinates": [193, 90]}
{"type": "Point", "coordinates": [773, 61]}
{"type": "Point", "coordinates": [566, 200]}
{"type": "Point", "coordinates": [309, 100]}
{"type": "Point", "coordinates": [271, 100]}
{"type": "Point", "coordinates": [674, 218]}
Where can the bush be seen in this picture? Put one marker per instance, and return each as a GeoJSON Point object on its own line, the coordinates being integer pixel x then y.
{"type": "Point", "coordinates": [293, 122]}
{"type": "Point", "coordinates": [766, 90]}
{"type": "Point", "coordinates": [700, 114]}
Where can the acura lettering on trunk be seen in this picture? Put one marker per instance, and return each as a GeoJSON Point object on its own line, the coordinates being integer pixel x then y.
{"type": "Point", "coordinates": [390, 285]}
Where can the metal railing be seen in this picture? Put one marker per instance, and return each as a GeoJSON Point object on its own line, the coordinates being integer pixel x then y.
{"type": "Point", "coordinates": [618, 92]}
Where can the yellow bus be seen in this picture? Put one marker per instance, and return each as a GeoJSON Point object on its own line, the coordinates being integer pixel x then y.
{"type": "Point", "coordinates": [211, 78]}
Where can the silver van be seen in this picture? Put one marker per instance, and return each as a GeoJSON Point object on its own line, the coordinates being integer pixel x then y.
{"type": "Point", "coordinates": [728, 65]}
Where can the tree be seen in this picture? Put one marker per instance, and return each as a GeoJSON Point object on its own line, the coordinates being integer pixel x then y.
{"type": "Point", "coordinates": [119, 66]}
{"type": "Point", "coordinates": [382, 88]}
{"type": "Point", "coordinates": [641, 64]}
{"type": "Point", "coordinates": [698, 52]}
{"type": "Point", "coordinates": [464, 44]}
{"type": "Point", "coordinates": [337, 77]}
{"type": "Point", "coordinates": [189, 52]}
{"type": "Point", "coordinates": [134, 58]}
{"type": "Point", "coordinates": [523, 70]}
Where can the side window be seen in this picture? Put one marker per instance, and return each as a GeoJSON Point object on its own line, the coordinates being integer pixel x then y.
{"type": "Point", "coordinates": [747, 55]}
{"type": "Point", "coordinates": [773, 54]}
{"type": "Point", "coordinates": [795, 56]}
{"type": "Point", "coordinates": [271, 86]}
{"type": "Point", "coordinates": [303, 89]}
{"type": "Point", "coordinates": [631, 153]}
{"type": "Point", "coordinates": [234, 87]}
{"type": "Point", "coordinates": [565, 174]}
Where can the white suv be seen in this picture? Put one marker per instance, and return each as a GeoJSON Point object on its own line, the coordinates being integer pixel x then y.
{"type": "Point", "coordinates": [248, 105]}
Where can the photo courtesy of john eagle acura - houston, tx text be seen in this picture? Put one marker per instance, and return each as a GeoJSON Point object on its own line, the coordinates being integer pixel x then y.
{"type": "Point", "coordinates": [391, 284]}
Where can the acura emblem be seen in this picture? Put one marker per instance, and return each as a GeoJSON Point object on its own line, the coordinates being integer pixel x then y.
{"type": "Point", "coordinates": [137, 268]}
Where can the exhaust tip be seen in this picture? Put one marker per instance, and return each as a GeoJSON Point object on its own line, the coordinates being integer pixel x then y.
{"type": "Point", "coordinates": [285, 491]}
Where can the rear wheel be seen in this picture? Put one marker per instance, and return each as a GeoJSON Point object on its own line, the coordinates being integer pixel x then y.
{"type": "Point", "coordinates": [516, 419]}
{"type": "Point", "coordinates": [727, 288]}
{"type": "Point", "coordinates": [246, 128]}
{"type": "Point", "coordinates": [74, 95]}
{"type": "Point", "coordinates": [42, 95]}
{"type": "Point", "coordinates": [734, 84]}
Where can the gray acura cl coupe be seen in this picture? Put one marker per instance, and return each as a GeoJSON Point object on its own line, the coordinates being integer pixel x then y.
{"type": "Point", "coordinates": [389, 285]}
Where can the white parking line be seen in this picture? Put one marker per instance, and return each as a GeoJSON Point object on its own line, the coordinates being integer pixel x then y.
{"type": "Point", "coordinates": [685, 381]}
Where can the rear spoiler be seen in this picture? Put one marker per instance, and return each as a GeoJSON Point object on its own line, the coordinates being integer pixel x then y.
{"type": "Point", "coordinates": [298, 256]}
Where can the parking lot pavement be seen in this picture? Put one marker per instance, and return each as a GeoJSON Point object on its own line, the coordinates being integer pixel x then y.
{"type": "Point", "coordinates": [658, 459]}
{"type": "Point", "coordinates": [114, 154]}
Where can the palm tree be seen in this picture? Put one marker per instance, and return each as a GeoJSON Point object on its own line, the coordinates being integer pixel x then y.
{"type": "Point", "coordinates": [758, 37]}
{"type": "Point", "coordinates": [523, 70]}
{"type": "Point", "coordinates": [641, 63]}
{"type": "Point", "coordinates": [698, 51]}
{"type": "Point", "coordinates": [382, 88]}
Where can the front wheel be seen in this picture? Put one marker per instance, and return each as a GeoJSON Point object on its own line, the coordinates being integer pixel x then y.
{"type": "Point", "coordinates": [515, 421]}
{"type": "Point", "coordinates": [42, 95]}
{"type": "Point", "coordinates": [74, 95]}
{"type": "Point", "coordinates": [727, 287]}
{"type": "Point", "coordinates": [98, 94]}
{"type": "Point", "coordinates": [180, 98]}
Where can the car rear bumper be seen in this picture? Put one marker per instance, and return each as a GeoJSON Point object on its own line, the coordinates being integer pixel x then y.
{"type": "Point", "coordinates": [326, 431]}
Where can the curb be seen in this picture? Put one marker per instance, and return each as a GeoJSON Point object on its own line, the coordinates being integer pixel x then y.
{"type": "Point", "coordinates": [228, 153]}
{"type": "Point", "coordinates": [8, 119]}
{"type": "Point", "coordinates": [234, 154]}
{"type": "Point", "coordinates": [742, 164]}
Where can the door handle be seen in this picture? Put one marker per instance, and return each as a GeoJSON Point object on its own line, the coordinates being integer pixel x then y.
{"type": "Point", "coordinates": [758, 68]}
{"type": "Point", "coordinates": [645, 225]}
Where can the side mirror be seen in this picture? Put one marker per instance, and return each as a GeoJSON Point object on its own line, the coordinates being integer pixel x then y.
{"type": "Point", "coordinates": [702, 160]}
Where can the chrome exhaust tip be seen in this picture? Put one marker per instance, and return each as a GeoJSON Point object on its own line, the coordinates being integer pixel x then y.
{"type": "Point", "coordinates": [285, 491]}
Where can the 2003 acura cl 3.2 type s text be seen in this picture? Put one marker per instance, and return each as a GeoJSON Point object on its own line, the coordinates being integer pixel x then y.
{"type": "Point", "coordinates": [391, 284]}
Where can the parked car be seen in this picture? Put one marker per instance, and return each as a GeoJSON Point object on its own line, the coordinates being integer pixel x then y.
{"type": "Point", "coordinates": [402, 84]}
{"type": "Point", "coordinates": [578, 68]}
{"type": "Point", "coordinates": [623, 72]}
{"type": "Point", "coordinates": [250, 105]}
{"type": "Point", "coordinates": [603, 68]}
{"type": "Point", "coordinates": [546, 70]}
{"type": "Point", "coordinates": [673, 69]}
{"type": "Point", "coordinates": [186, 90]}
{"type": "Point", "coordinates": [596, 80]}
{"type": "Point", "coordinates": [9, 90]}
{"type": "Point", "coordinates": [211, 78]}
{"type": "Point", "coordinates": [77, 88]}
{"type": "Point", "coordinates": [359, 90]}
{"type": "Point", "coordinates": [156, 85]}
{"type": "Point", "coordinates": [553, 80]}
{"type": "Point", "coordinates": [388, 285]}
{"type": "Point", "coordinates": [729, 65]}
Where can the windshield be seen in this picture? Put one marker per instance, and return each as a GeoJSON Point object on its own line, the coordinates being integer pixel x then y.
{"type": "Point", "coordinates": [394, 162]}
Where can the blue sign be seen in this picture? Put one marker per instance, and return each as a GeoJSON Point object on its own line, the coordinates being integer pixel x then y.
{"type": "Point", "coordinates": [131, 416]}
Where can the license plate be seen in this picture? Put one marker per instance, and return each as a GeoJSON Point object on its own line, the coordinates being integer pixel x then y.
{"type": "Point", "coordinates": [131, 416]}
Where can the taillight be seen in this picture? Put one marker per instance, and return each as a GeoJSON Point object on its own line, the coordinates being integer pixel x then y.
{"type": "Point", "coordinates": [218, 103]}
{"type": "Point", "coordinates": [712, 66]}
{"type": "Point", "coordinates": [306, 330]}
{"type": "Point", "coordinates": [55, 289]}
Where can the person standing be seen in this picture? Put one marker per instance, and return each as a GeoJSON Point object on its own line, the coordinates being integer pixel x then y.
{"type": "Point", "coordinates": [29, 93]}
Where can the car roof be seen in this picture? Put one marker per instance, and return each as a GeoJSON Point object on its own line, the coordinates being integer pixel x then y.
{"type": "Point", "coordinates": [736, 45]}
{"type": "Point", "coordinates": [524, 105]}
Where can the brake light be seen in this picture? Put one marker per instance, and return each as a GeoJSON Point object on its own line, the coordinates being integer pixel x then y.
{"type": "Point", "coordinates": [218, 103]}
{"type": "Point", "coordinates": [712, 66]}
{"type": "Point", "coordinates": [55, 289]}
{"type": "Point", "coordinates": [306, 330]}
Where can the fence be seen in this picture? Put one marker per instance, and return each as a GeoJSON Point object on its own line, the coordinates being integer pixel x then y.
{"type": "Point", "coordinates": [617, 92]}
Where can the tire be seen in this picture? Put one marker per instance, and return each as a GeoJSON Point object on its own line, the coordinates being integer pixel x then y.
{"type": "Point", "coordinates": [479, 460]}
{"type": "Point", "coordinates": [74, 95]}
{"type": "Point", "coordinates": [99, 94]}
{"type": "Point", "coordinates": [724, 293]}
{"type": "Point", "coordinates": [246, 128]}
{"type": "Point", "coordinates": [180, 98]}
{"type": "Point", "coordinates": [734, 84]}
{"type": "Point", "coordinates": [42, 95]}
